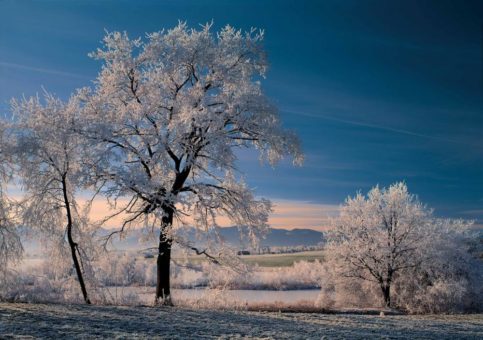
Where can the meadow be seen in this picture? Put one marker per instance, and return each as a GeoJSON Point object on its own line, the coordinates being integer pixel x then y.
{"type": "Point", "coordinates": [283, 260]}
{"type": "Point", "coordinates": [95, 322]}
{"type": "Point", "coordinates": [262, 260]}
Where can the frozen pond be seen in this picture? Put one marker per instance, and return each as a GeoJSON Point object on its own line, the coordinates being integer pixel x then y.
{"type": "Point", "coordinates": [251, 296]}
{"type": "Point", "coordinates": [146, 294]}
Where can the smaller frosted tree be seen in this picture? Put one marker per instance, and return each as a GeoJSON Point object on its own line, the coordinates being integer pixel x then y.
{"type": "Point", "coordinates": [380, 235]}
{"type": "Point", "coordinates": [50, 167]}
{"type": "Point", "coordinates": [390, 239]}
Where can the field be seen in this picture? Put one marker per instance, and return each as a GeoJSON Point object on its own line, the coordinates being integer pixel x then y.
{"type": "Point", "coordinates": [80, 321]}
{"type": "Point", "coordinates": [270, 260]}
{"type": "Point", "coordinates": [283, 260]}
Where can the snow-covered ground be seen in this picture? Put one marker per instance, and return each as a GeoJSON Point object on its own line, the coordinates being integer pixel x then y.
{"type": "Point", "coordinates": [80, 321]}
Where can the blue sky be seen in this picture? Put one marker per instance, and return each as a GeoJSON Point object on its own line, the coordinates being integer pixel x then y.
{"type": "Point", "coordinates": [378, 91]}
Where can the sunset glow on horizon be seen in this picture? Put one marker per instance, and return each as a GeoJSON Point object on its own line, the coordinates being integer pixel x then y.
{"type": "Point", "coordinates": [285, 215]}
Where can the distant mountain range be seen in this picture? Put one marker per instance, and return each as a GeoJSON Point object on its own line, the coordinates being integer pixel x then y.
{"type": "Point", "coordinates": [276, 237]}
{"type": "Point", "coordinates": [231, 235]}
{"type": "Point", "coordinates": [234, 236]}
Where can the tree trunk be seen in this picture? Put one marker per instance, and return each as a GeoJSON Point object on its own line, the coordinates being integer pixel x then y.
{"type": "Point", "coordinates": [163, 293]}
{"type": "Point", "coordinates": [386, 292]}
{"type": "Point", "coordinates": [72, 244]}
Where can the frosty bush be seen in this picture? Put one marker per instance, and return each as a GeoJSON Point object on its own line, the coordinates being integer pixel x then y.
{"type": "Point", "coordinates": [388, 243]}
{"type": "Point", "coordinates": [302, 275]}
{"type": "Point", "coordinates": [121, 270]}
{"type": "Point", "coordinates": [124, 270]}
{"type": "Point", "coordinates": [46, 283]}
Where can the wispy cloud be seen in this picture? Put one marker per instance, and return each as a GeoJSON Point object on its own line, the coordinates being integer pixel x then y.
{"type": "Point", "coordinates": [473, 212]}
{"type": "Point", "coordinates": [378, 127]}
{"type": "Point", "coordinates": [42, 70]}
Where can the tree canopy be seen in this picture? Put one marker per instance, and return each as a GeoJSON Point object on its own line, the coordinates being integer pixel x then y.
{"type": "Point", "coordinates": [166, 117]}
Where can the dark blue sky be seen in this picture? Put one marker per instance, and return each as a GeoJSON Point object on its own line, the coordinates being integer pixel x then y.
{"type": "Point", "coordinates": [379, 91]}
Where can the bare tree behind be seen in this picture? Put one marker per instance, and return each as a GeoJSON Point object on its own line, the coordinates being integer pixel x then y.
{"type": "Point", "coordinates": [11, 249]}
{"type": "Point", "coordinates": [50, 169]}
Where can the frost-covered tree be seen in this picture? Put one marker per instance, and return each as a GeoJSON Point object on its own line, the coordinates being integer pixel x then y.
{"type": "Point", "coordinates": [390, 237]}
{"type": "Point", "coordinates": [167, 116]}
{"type": "Point", "coordinates": [50, 168]}
{"type": "Point", "coordinates": [11, 248]}
{"type": "Point", "coordinates": [449, 279]}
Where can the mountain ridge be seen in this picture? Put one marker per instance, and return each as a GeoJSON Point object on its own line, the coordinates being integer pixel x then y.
{"type": "Point", "coordinates": [235, 236]}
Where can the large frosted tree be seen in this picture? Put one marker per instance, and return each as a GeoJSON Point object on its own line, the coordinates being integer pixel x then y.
{"type": "Point", "coordinates": [49, 159]}
{"type": "Point", "coordinates": [166, 118]}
